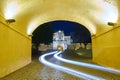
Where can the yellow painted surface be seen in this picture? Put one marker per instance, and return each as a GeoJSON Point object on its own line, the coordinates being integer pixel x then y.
{"type": "Point", "coordinates": [15, 50]}
{"type": "Point", "coordinates": [94, 15]}
{"type": "Point", "coordinates": [106, 49]}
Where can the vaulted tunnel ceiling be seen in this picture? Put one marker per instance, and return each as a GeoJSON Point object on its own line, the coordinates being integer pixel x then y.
{"type": "Point", "coordinates": [29, 14]}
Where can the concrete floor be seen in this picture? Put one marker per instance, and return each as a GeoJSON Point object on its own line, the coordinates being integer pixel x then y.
{"type": "Point", "coordinates": [38, 71]}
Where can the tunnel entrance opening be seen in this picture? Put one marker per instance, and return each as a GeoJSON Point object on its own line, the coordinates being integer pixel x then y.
{"type": "Point", "coordinates": [41, 39]}
{"type": "Point", "coordinates": [80, 42]}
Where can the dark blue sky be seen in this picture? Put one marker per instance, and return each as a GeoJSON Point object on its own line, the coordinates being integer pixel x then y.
{"type": "Point", "coordinates": [44, 32]}
{"type": "Point", "coordinates": [77, 31]}
{"type": "Point", "coordinates": [67, 27]}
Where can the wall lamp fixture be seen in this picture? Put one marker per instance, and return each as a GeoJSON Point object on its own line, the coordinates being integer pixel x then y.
{"type": "Point", "coordinates": [112, 24]}
{"type": "Point", "coordinates": [10, 20]}
{"type": "Point", "coordinates": [30, 35]}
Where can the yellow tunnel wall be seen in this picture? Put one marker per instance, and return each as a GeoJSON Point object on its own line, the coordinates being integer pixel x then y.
{"type": "Point", "coordinates": [106, 48]}
{"type": "Point", "coordinates": [15, 50]}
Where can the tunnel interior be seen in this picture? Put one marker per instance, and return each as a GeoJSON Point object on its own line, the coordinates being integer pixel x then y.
{"type": "Point", "coordinates": [43, 35]}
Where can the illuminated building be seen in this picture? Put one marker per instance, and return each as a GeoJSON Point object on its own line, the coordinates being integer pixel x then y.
{"type": "Point", "coordinates": [60, 40]}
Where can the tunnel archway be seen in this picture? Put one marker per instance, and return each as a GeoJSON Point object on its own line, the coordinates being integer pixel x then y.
{"type": "Point", "coordinates": [43, 34]}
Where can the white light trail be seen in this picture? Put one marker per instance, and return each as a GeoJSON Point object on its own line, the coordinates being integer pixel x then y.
{"type": "Point", "coordinates": [67, 70]}
{"type": "Point", "coordinates": [86, 64]}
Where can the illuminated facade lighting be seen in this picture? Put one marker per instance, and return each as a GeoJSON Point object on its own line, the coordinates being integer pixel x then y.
{"type": "Point", "coordinates": [59, 39]}
{"type": "Point", "coordinates": [10, 10]}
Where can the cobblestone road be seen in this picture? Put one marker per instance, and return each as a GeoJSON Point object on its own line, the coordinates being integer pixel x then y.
{"type": "Point", "coordinates": [37, 71]}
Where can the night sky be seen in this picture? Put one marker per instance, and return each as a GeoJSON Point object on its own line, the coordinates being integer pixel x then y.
{"type": "Point", "coordinates": [67, 27]}
{"type": "Point", "coordinates": [44, 33]}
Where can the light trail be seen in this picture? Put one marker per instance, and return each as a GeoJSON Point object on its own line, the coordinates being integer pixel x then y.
{"type": "Point", "coordinates": [67, 70]}
{"type": "Point", "coordinates": [86, 64]}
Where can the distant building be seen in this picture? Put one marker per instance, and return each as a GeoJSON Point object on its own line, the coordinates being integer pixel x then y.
{"type": "Point", "coordinates": [67, 39]}
{"type": "Point", "coordinates": [42, 47]}
{"type": "Point", "coordinates": [59, 39]}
